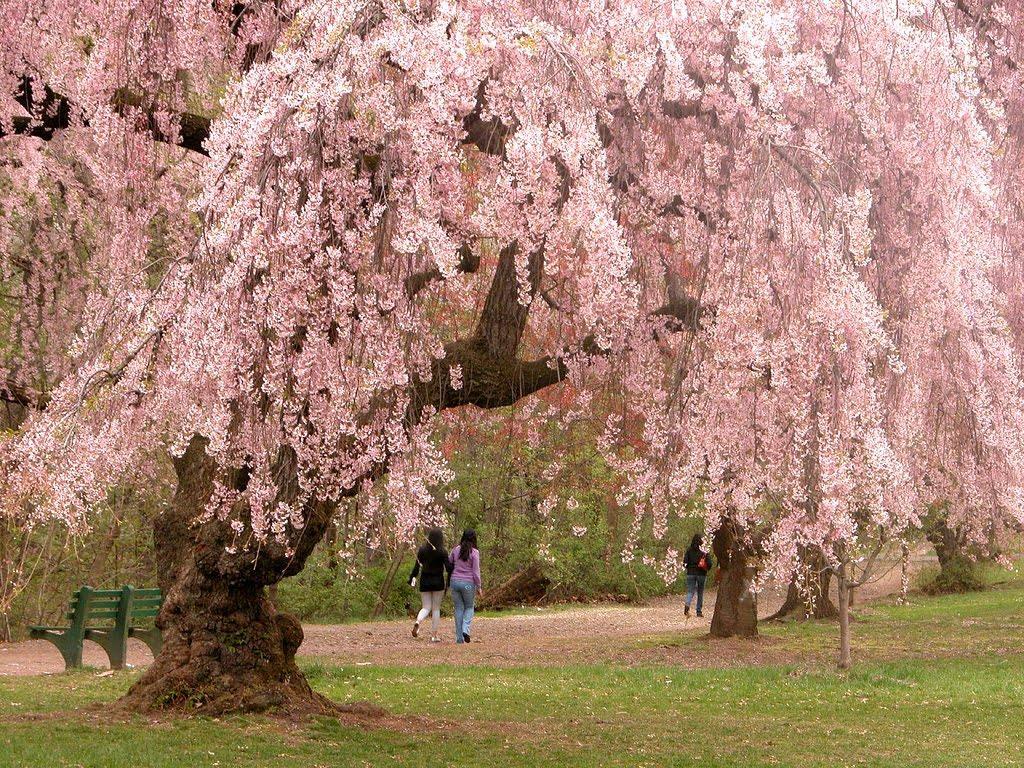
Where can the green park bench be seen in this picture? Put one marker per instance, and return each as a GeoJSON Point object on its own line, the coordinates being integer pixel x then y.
{"type": "Point", "coordinates": [108, 617]}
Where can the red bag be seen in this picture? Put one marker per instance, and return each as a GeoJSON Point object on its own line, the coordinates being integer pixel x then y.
{"type": "Point", "coordinates": [703, 562]}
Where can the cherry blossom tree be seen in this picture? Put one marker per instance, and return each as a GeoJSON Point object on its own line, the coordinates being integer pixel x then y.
{"type": "Point", "coordinates": [780, 230]}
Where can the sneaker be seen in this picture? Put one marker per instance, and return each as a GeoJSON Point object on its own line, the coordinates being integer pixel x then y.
{"type": "Point", "coordinates": [435, 639]}
{"type": "Point", "coordinates": [700, 615]}
{"type": "Point", "coordinates": [416, 629]}
{"type": "Point", "coordinates": [465, 637]}
{"type": "Point", "coordinates": [686, 610]}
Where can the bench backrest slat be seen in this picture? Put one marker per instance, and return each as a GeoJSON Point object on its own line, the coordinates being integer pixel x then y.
{"type": "Point", "coordinates": [90, 605]}
{"type": "Point", "coordinates": [105, 613]}
{"type": "Point", "coordinates": [96, 604]}
{"type": "Point", "coordinates": [144, 604]}
{"type": "Point", "coordinates": [114, 593]}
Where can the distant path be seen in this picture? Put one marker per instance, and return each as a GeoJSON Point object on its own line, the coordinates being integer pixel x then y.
{"type": "Point", "coordinates": [584, 633]}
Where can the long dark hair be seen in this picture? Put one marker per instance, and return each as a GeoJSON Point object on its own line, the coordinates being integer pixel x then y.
{"type": "Point", "coordinates": [436, 537]}
{"type": "Point", "coordinates": [468, 544]}
{"type": "Point", "coordinates": [696, 541]}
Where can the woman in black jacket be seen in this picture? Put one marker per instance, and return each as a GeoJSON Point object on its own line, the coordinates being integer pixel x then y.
{"type": "Point", "coordinates": [698, 563]}
{"type": "Point", "coordinates": [433, 568]}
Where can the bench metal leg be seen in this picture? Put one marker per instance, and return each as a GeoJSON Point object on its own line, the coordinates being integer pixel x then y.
{"type": "Point", "coordinates": [113, 642]}
{"type": "Point", "coordinates": [68, 643]}
{"type": "Point", "coordinates": [151, 637]}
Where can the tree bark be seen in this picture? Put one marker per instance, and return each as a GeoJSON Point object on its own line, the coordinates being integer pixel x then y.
{"type": "Point", "coordinates": [389, 581]}
{"type": "Point", "coordinates": [225, 646]}
{"type": "Point", "coordinates": [904, 572]}
{"type": "Point", "coordinates": [527, 587]}
{"type": "Point", "coordinates": [736, 604]}
{"type": "Point", "coordinates": [948, 543]}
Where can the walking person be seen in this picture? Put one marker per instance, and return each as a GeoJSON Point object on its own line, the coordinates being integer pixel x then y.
{"type": "Point", "coordinates": [433, 568]}
{"type": "Point", "coordinates": [698, 563]}
{"type": "Point", "coordinates": [465, 560]}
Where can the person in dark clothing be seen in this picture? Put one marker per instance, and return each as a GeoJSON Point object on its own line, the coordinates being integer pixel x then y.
{"type": "Point", "coordinates": [698, 563]}
{"type": "Point", "coordinates": [433, 569]}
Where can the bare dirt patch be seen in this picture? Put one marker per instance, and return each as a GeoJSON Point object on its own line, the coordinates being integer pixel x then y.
{"type": "Point", "coordinates": [39, 657]}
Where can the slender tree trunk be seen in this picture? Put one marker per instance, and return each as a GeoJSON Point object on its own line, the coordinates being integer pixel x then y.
{"type": "Point", "coordinates": [225, 646]}
{"type": "Point", "coordinates": [389, 581]}
{"type": "Point", "coordinates": [98, 569]}
{"type": "Point", "coordinates": [736, 604]}
{"type": "Point", "coordinates": [844, 617]}
{"type": "Point", "coordinates": [904, 572]}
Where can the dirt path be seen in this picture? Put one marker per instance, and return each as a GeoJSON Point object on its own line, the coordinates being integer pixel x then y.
{"type": "Point", "coordinates": [590, 633]}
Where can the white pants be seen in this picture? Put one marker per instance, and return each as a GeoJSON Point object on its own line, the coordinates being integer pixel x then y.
{"type": "Point", "coordinates": [431, 605]}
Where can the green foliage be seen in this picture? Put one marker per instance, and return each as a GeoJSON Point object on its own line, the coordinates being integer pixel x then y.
{"type": "Point", "coordinates": [41, 568]}
{"type": "Point", "coordinates": [501, 485]}
{"type": "Point", "coordinates": [324, 593]}
{"type": "Point", "coordinates": [578, 543]}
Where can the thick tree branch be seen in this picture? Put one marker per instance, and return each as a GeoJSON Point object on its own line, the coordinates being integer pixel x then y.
{"type": "Point", "coordinates": [503, 318]}
{"type": "Point", "coordinates": [193, 130]}
{"type": "Point", "coordinates": [488, 381]}
{"type": "Point", "coordinates": [15, 394]}
{"type": "Point", "coordinates": [469, 263]}
{"type": "Point", "coordinates": [982, 25]}
{"type": "Point", "coordinates": [488, 136]}
{"type": "Point", "coordinates": [53, 112]}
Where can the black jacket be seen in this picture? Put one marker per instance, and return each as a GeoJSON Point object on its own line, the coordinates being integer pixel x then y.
{"type": "Point", "coordinates": [432, 567]}
{"type": "Point", "coordinates": [691, 560]}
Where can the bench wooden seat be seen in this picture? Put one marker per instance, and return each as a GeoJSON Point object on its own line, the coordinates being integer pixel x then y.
{"type": "Point", "coordinates": [108, 617]}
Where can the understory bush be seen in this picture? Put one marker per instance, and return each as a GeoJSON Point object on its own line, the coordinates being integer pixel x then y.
{"type": "Point", "coordinates": [957, 576]}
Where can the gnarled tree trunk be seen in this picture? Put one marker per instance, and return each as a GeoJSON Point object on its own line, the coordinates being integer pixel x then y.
{"type": "Point", "coordinates": [225, 646]}
{"type": "Point", "coordinates": [947, 540]}
{"type": "Point", "coordinates": [736, 605]}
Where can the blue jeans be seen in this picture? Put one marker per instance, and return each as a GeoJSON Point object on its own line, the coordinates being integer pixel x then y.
{"type": "Point", "coordinates": [695, 583]}
{"type": "Point", "coordinates": [463, 595]}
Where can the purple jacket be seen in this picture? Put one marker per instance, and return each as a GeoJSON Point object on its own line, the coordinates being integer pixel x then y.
{"type": "Point", "coordinates": [466, 570]}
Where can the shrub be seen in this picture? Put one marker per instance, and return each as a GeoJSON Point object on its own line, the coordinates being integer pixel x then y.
{"type": "Point", "coordinates": [957, 576]}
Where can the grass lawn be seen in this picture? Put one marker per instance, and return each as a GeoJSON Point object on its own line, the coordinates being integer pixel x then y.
{"type": "Point", "coordinates": [937, 683]}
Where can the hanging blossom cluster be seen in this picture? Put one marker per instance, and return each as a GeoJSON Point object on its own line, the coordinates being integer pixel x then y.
{"type": "Point", "coordinates": [782, 233]}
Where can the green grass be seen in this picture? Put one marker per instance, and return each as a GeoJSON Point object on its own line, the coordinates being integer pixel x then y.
{"type": "Point", "coordinates": [938, 683]}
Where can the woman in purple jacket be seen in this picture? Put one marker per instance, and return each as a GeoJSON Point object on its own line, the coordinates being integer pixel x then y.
{"type": "Point", "coordinates": [465, 583]}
